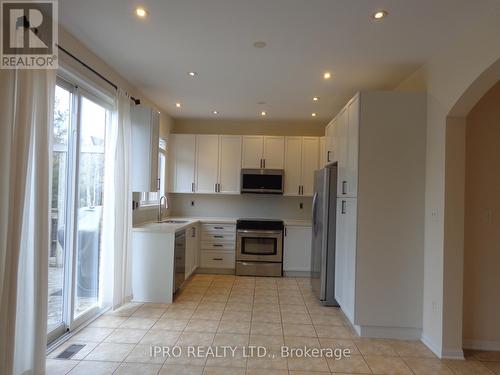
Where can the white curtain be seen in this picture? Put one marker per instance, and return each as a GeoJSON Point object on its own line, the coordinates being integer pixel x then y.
{"type": "Point", "coordinates": [117, 221]}
{"type": "Point", "coordinates": [26, 104]}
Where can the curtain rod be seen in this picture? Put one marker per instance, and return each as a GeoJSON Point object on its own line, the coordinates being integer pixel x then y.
{"type": "Point", "coordinates": [136, 101]}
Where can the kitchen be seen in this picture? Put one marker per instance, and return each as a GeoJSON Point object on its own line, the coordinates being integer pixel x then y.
{"type": "Point", "coordinates": [277, 216]}
{"type": "Point", "coordinates": [273, 174]}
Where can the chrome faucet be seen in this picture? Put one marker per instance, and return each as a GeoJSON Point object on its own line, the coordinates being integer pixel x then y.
{"type": "Point", "coordinates": [160, 206]}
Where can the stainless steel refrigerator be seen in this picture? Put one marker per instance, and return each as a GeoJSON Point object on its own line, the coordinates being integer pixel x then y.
{"type": "Point", "coordinates": [324, 213]}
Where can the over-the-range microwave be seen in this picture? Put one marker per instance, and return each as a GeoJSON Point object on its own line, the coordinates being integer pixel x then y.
{"type": "Point", "coordinates": [262, 181]}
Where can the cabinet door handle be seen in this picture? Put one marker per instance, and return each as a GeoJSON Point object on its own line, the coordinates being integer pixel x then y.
{"type": "Point", "coordinates": [343, 210]}
{"type": "Point", "coordinates": [218, 227]}
{"type": "Point", "coordinates": [299, 189]}
{"type": "Point", "coordinates": [217, 245]}
{"type": "Point", "coordinates": [344, 187]}
{"type": "Point", "coordinates": [264, 163]}
{"type": "Point", "coordinates": [217, 259]}
{"type": "Point", "coordinates": [328, 156]}
{"type": "Point", "coordinates": [192, 187]}
{"type": "Point", "coordinates": [285, 231]}
{"type": "Point", "coordinates": [261, 163]}
{"type": "Point", "coordinates": [215, 188]}
{"type": "Point", "coordinates": [218, 188]}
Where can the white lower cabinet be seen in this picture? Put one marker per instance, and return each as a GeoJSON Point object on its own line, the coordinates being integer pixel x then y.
{"type": "Point", "coordinates": [192, 245]}
{"type": "Point", "coordinates": [297, 249]}
{"type": "Point", "coordinates": [217, 259]}
{"type": "Point", "coordinates": [217, 246]}
{"type": "Point", "coordinates": [345, 254]}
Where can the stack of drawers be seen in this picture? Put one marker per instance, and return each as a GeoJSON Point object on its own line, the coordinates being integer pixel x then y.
{"type": "Point", "coordinates": [218, 245]}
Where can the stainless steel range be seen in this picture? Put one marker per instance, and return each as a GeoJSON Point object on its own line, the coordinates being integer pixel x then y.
{"type": "Point", "coordinates": [259, 247]}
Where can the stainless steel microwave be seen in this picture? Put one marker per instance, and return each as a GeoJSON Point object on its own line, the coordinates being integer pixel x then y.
{"type": "Point", "coordinates": [262, 181]}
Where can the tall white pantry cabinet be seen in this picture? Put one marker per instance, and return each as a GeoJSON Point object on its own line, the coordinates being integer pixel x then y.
{"type": "Point", "coordinates": [378, 140]}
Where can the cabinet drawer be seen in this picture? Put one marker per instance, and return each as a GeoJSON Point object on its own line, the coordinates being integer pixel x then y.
{"type": "Point", "coordinates": [218, 237]}
{"type": "Point", "coordinates": [217, 245]}
{"type": "Point", "coordinates": [217, 259]}
{"type": "Point", "coordinates": [218, 228]}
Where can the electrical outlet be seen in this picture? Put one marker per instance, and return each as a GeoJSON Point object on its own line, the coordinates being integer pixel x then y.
{"type": "Point", "coordinates": [301, 205]}
{"type": "Point", "coordinates": [435, 214]}
{"type": "Point", "coordinates": [192, 203]}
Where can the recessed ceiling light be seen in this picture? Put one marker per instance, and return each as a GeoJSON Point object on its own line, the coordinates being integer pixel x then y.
{"type": "Point", "coordinates": [178, 105]}
{"type": "Point", "coordinates": [263, 113]}
{"type": "Point", "coordinates": [192, 74]}
{"type": "Point", "coordinates": [379, 14]}
{"type": "Point", "coordinates": [260, 44]}
{"type": "Point", "coordinates": [141, 12]}
{"type": "Point", "coordinates": [313, 114]}
{"type": "Point", "coordinates": [327, 75]}
{"type": "Point", "coordinates": [315, 98]}
{"type": "Point", "coordinates": [215, 112]}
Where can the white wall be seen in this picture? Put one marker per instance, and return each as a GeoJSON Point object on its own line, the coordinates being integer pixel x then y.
{"type": "Point", "coordinates": [447, 77]}
{"type": "Point", "coordinates": [481, 327]}
{"type": "Point", "coordinates": [73, 45]}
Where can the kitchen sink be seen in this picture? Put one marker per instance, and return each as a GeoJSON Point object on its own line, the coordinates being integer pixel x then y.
{"type": "Point", "coordinates": [173, 221]}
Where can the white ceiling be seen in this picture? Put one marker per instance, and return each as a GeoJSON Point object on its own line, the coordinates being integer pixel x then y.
{"type": "Point", "coordinates": [304, 38]}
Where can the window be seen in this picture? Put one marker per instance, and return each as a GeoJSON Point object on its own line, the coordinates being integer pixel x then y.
{"type": "Point", "coordinates": [149, 198]}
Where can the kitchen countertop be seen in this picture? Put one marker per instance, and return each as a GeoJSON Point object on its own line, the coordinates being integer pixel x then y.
{"type": "Point", "coordinates": [153, 226]}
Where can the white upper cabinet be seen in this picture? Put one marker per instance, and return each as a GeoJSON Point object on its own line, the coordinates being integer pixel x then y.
{"type": "Point", "coordinates": [352, 148]}
{"type": "Point", "coordinates": [207, 163]}
{"type": "Point", "coordinates": [293, 159]}
{"type": "Point", "coordinates": [263, 152]}
{"type": "Point", "coordinates": [301, 160]}
{"type": "Point", "coordinates": [330, 142]}
{"type": "Point", "coordinates": [346, 146]}
{"type": "Point", "coordinates": [183, 161]}
{"type": "Point", "coordinates": [340, 146]}
{"type": "Point", "coordinates": [145, 140]}
{"type": "Point", "coordinates": [310, 160]}
{"type": "Point", "coordinates": [229, 164]}
{"type": "Point", "coordinates": [322, 152]}
{"type": "Point", "coordinates": [274, 152]}
{"type": "Point", "coordinates": [253, 151]}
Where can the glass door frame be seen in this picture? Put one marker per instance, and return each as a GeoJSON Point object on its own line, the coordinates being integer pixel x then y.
{"type": "Point", "coordinates": [69, 321]}
{"type": "Point", "coordinates": [73, 321]}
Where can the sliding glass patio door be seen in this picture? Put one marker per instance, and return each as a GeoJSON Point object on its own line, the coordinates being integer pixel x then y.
{"type": "Point", "coordinates": [80, 121]}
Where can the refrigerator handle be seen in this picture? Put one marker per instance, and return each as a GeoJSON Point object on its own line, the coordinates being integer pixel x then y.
{"type": "Point", "coordinates": [315, 196]}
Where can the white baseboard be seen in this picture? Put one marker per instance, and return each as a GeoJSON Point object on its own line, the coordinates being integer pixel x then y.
{"type": "Point", "coordinates": [431, 345]}
{"type": "Point", "coordinates": [481, 345]}
{"type": "Point", "coordinates": [452, 354]}
{"type": "Point", "coordinates": [442, 353]}
{"type": "Point", "coordinates": [397, 333]}
{"type": "Point", "coordinates": [297, 273]}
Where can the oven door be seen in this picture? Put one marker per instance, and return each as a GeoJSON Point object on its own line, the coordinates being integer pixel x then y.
{"type": "Point", "coordinates": [259, 245]}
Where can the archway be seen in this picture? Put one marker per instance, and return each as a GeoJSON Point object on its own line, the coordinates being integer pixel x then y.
{"type": "Point", "coordinates": [454, 210]}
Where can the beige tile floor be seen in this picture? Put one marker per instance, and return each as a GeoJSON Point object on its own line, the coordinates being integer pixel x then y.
{"type": "Point", "coordinates": [217, 310]}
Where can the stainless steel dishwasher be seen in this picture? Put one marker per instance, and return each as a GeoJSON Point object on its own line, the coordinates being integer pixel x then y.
{"type": "Point", "coordinates": [179, 259]}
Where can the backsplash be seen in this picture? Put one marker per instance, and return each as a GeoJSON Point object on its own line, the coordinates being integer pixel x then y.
{"type": "Point", "coordinates": [240, 206]}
